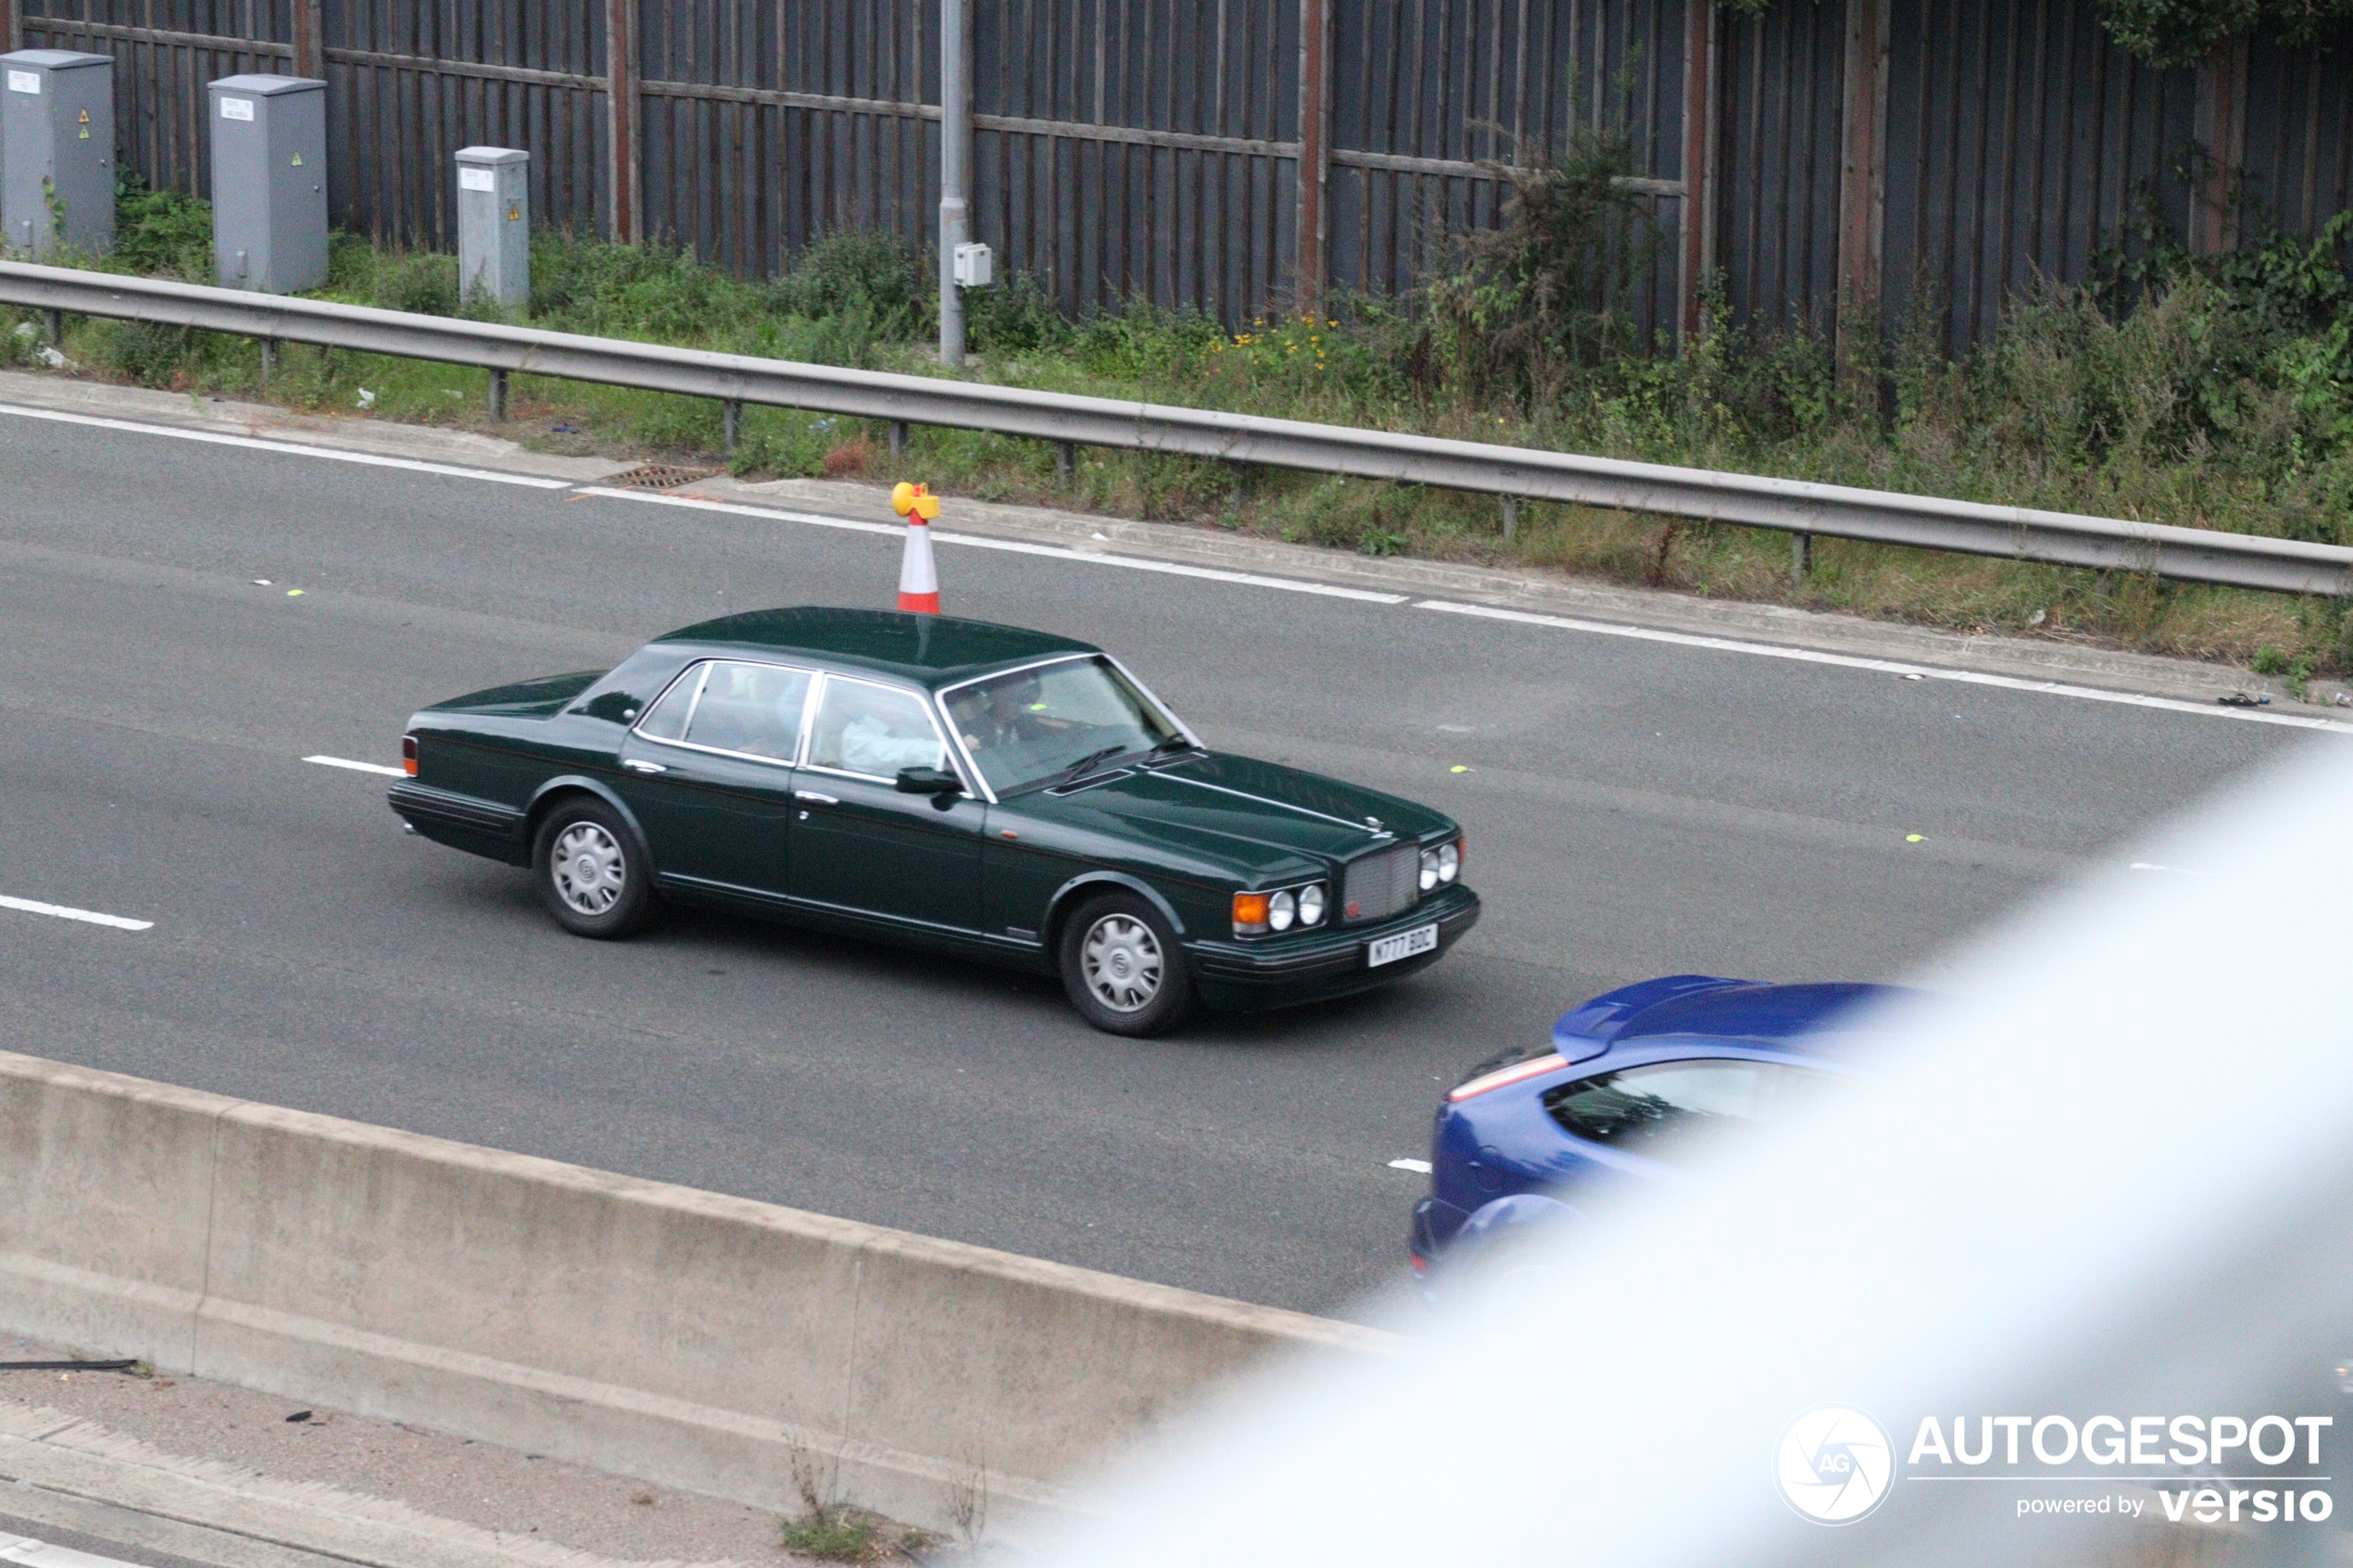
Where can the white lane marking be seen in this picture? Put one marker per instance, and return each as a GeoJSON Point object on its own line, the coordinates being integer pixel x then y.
{"type": "Point", "coordinates": [1015, 546]}
{"type": "Point", "coordinates": [292, 448]}
{"type": "Point", "coordinates": [41, 1554]}
{"type": "Point", "coordinates": [358, 767]}
{"type": "Point", "coordinates": [59, 912]}
{"type": "Point", "coordinates": [1419, 1167]}
{"type": "Point", "coordinates": [1885, 666]}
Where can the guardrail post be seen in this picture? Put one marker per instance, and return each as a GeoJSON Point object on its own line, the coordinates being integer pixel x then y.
{"type": "Point", "coordinates": [497, 396]}
{"type": "Point", "coordinates": [1801, 557]}
{"type": "Point", "coordinates": [1511, 517]}
{"type": "Point", "coordinates": [1065, 463]}
{"type": "Point", "coordinates": [57, 331]}
{"type": "Point", "coordinates": [899, 438]}
{"type": "Point", "coordinates": [731, 418]}
{"type": "Point", "coordinates": [268, 358]}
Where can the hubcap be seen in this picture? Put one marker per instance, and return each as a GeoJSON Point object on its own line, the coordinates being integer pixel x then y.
{"type": "Point", "coordinates": [1122, 961]}
{"type": "Point", "coordinates": [590, 874]}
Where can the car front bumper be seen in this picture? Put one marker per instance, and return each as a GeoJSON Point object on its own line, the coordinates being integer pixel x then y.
{"type": "Point", "coordinates": [1246, 976]}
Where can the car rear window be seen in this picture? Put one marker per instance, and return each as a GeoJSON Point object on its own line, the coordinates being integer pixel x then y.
{"type": "Point", "coordinates": [1667, 1111]}
{"type": "Point", "coordinates": [751, 710]}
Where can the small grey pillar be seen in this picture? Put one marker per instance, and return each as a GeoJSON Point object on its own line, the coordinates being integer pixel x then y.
{"type": "Point", "coordinates": [56, 140]}
{"type": "Point", "coordinates": [1801, 557]}
{"type": "Point", "coordinates": [494, 226]}
{"type": "Point", "coordinates": [268, 183]}
{"type": "Point", "coordinates": [899, 438]}
{"type": "Point", "coordinates": [1511, 517]}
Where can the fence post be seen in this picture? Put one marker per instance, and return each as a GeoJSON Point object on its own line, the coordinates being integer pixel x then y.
{"type": "Point", "coordinates": [1862, 194]}
{"type": "Point", "coordinates": [2219, 122]}
{"type": "Point", "coordinates": [310, 40]}
{"type": "Point", "coordinates": [622, 107]}
{"type": "Point", "coordinates": [1315, 148]}
{"type": "Point", "coordinates": [1697, 257]}
{"type": "Point", "coordinates": [11, 26]}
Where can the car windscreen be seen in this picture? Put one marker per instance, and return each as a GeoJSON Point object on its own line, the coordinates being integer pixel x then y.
{"type": "Point", "coordinates": [1671, 1108]}
{"type": "Point", "coordinates": [1029, 727]}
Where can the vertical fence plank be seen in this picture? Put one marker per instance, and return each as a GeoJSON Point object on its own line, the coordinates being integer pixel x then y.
{"type": "Point", "coordinates": [622, 116]}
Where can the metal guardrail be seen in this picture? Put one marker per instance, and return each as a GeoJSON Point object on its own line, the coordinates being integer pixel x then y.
{"type": "Point", "coordinates": [2189, 555]}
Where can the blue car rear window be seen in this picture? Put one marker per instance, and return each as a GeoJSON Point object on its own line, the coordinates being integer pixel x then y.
{"type": "Point", "coordinates": [1668, 1109]}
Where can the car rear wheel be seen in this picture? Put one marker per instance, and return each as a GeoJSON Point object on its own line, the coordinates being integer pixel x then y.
{"type": "Point", "coordinates": [590, 871]}
{"type": "Point", "coordinates": [1122, 968]}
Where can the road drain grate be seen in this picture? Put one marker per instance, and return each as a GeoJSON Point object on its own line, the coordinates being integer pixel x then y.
{"type": "Point", "coordinates": [657, 476]}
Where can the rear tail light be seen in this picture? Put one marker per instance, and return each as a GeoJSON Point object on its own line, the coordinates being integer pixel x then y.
{"type": "Point", "coordinates": [408, 755]}
{"type": "Point", "coordinates": [1504, 1077]}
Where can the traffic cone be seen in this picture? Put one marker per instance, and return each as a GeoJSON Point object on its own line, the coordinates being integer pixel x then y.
{"type": "Point", "coordinates": [918, 580]}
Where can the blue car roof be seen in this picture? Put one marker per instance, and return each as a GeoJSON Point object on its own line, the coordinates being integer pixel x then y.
{"type": "Point", "coordinates": [1749, 1012]}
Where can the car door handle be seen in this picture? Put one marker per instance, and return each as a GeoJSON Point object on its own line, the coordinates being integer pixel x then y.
{"type": "Point", "coordinates": [813, 798]}
{"type": "Point", "coordinates": [636, 767]}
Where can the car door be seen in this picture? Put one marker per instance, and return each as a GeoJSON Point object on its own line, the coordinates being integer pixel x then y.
{"type": "Point", "coordinates": [860, 847]}
{"type": "Point", "coordinates": [708, 773]}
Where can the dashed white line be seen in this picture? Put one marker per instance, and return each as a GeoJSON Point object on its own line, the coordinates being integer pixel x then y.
{"type": "Point", "coordinates": [59, 912]}
{"type": "Point", "coordinates": [1882, 666]}
{"type": "Point", "coordinates": [358, 767]}
{"type": "Point", "coordinates": [1419, 1167]}
{"type": "Point", "coordinates": [1012, 546]}
{"type": "Point", "coordinates": [292, 448]}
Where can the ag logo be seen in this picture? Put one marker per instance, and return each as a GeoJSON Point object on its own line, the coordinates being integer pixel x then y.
{"type": "Point", "coordinates": [1834, 1464]}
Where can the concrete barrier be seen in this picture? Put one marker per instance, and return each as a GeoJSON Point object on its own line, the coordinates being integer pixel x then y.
{"type": "Point", "coordinates": [707, 1342]}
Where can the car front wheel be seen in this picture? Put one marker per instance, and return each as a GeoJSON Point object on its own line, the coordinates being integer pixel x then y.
{"type": "Point", "coordinates": [1122, 968]}
{"type": "Point", "coordinates": [589, 871]}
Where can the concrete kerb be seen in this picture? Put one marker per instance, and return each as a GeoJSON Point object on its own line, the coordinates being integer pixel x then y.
{"type": "Point", "coordinates": [707, 1342]}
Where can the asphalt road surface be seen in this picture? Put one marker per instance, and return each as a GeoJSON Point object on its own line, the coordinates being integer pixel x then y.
{"type": "Point", "coordinates": [1633, 808]}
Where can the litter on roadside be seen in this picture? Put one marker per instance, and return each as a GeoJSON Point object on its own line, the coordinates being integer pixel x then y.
{"type": "Point", "coordinates": [2240, 699]}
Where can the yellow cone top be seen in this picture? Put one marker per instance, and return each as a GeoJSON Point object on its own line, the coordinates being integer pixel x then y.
{"type": "Point", "coordinates": [915, 499]}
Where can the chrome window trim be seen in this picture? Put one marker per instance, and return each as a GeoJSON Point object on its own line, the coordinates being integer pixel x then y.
{"type": "Point", "coordinates": [971, 766]}
{"type": "Point", "coordinates": [939, 731]}
{"type": "Point", "coordinates": [701, 669]}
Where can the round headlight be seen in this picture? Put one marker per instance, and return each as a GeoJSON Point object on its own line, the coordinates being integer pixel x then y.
{"type": "Point", "coordinates": [1281, 910]}
{"type": "Point", "coordinates": [1450, 862]}
{"type": "Point", "coordinates": [1429, 870]}
{"type": "Point", "coordinates": [1310, 905]}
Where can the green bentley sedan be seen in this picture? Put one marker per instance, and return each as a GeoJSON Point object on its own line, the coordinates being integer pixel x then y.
{"type": "Point", "coordinates": [974, 789]}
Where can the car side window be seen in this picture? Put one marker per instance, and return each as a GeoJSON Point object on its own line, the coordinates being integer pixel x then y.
{"type": "Point", "coordinates": [873, 730]}
{"type": "Point", "coordinates": [1665, 1110]}
{"type": "Point", "coordinates": [668, 719]}
{"type": "Point", "coordinates": [752, 709]}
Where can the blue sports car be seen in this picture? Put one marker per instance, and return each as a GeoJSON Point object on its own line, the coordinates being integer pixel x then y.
{"type": "Point", "coordinates": [1624, 1090]}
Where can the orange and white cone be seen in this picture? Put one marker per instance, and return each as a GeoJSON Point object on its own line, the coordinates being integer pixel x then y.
{"type": "Point", "coordinates": [918, 579]}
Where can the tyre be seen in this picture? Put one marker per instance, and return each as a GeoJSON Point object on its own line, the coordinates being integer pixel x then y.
{"type": "Point", "coordinates": [1122, 968]}
{"type": "Point", "coordinates": [590, 870]}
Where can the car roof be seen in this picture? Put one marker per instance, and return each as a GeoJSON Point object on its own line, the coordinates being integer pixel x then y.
{"type": "Point", "coordinates": [1694, 1008]}
{"type": "Point", "coordinates": [930, 650]}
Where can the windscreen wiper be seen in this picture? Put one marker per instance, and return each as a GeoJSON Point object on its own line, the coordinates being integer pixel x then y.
{"type": "Point", "coordinates": [1078, 769]}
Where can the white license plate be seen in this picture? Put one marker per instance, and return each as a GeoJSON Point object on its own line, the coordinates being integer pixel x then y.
{"type": "Point", "coordinates": [1404, 944]}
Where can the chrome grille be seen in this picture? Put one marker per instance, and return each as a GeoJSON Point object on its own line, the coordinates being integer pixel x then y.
{"type": "Point", "coordinates": [1381, 884]}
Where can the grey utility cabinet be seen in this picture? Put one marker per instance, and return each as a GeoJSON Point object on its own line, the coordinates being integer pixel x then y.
{"type": "Point", "coordinates": [57, 139]}
{"type": "Point", "coordinates": [493, 225]}
{"type": "Point", "coordinates": [268, 183]}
